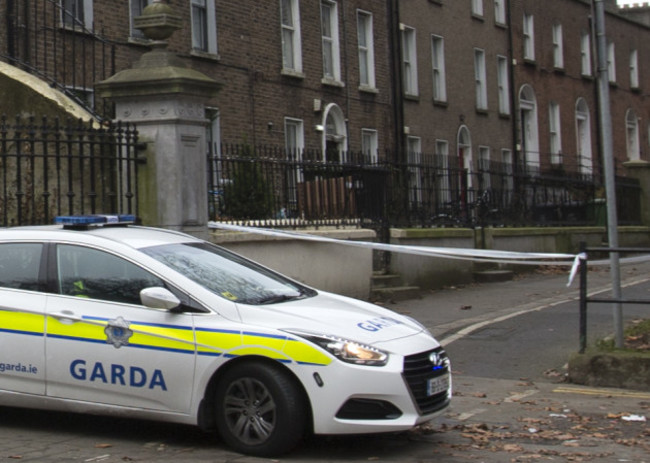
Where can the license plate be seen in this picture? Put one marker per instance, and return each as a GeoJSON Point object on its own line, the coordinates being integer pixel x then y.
{"type": "Point", "coordinates": [437, 385]}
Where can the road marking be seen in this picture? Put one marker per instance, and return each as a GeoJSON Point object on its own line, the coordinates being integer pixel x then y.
{"type": "Point", "coordinates": [471, 328]}
{"type": "Point", "coordinates": [521, 395]}
{"type": "Point", "coordinates": [605, 392]}
{"type": "Point", "coordinates": [467, 415]}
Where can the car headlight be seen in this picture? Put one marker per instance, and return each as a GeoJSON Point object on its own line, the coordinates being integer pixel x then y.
{"type": "Point", "coordinates": [346, 350]}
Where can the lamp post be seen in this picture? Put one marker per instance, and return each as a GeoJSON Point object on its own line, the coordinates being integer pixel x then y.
{"type": "Point", "coordinates": [608, 166]}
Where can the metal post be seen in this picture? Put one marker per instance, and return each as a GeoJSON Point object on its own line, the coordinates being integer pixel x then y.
{"type": "Point", "coordinates": [608, 166]}
{"type": "Point", "coordinates": [583, 299]}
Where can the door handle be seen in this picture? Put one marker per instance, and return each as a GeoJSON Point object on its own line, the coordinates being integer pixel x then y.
{"type": "Point", "coordinates": [67, 317]}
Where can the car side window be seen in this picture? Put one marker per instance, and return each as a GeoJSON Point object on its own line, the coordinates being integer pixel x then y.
{"type": "Point", "coordinates": [90, 273]}
{"type": "Point", "coordinates": [19, 265]}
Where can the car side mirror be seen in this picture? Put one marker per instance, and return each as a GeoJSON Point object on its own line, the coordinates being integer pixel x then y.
{"type": "Point", "coordinates": [159, 298]}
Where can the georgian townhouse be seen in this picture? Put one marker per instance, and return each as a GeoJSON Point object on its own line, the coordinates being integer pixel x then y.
{"type": "Point", "coordinates": [556, 90]}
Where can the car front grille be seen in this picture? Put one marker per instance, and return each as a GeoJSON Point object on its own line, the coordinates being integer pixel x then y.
{"type": "Point", "coordinates": [418, 370]}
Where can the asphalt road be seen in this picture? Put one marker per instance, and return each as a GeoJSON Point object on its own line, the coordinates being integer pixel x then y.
{"type": "Point", "coordinates": [508, 343]}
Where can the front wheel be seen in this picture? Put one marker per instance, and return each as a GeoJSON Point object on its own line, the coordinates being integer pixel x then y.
{"type": "Point", "coordinates": [260, 410]}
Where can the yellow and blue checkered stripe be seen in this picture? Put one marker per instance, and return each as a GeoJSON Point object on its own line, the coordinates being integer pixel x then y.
{"type": "Point", "coordinates": [170, 338]}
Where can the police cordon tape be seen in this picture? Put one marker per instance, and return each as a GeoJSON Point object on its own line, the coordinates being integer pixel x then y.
{"type": "Point", "coordinates": [477, 255]}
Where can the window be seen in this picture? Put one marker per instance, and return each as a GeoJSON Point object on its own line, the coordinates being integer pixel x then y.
{"type": "Point", "coordinates": [438, 63]}
{"type": "Point", "coordinates": [137, 6]}
{"type": "Point", "coordinates": [480, 79]}
{"type": "Point", "coordinates": [369, 145]}
{"type": "Point", "coordinates": [529, 37]}
{"type": "Point", "coordinates": [442, 173]}
{"type": "Point", "coordinates": [555, 133]}
{"type": "Point", "coordinates": [410, 68]}
{"type": "Point", "coordinates": [500, 12]}
{"type": "Point", "coordinates": [330, 41]}
{"type": "Point", "coordinates": [291, 40]}
{"type": "Point", "coordinates": [204, 26]}
{"type": "Point", "coordinates": [503, 83]}
{"type": "Point", "coordinates": [414, 153]}
{"type": "Point", "coordinates": [583, 137]}
{"type": "Point", "coordinates": [529, 128]}
{"type": "Point", "coordinates": [484, 167]}
{"type": "Point", "coordinates": [632, 133]}
{"type": "Point", "coordinates": [77, 13]}
{"type": "Point", "coordinates": [585, 54]}
{"type": "Point", "coordinates": [508, 183]}
{"type": "Point", "coordinates": [94, 274]}
{"type": "Point", "coordinates": [611, 62]}
{"type": "Point", "coordinates": [634, 69]}
{"type": "Point", "coordinates": [19, 265]}
{"type": "Point", "coordinates": [294, 139]}
{"type": "Point", "coordinates": [366, 50]}
{"type": "Point", "coordinates": [558, 47]}
{"type": "Point", "coordinates": [477, 7]}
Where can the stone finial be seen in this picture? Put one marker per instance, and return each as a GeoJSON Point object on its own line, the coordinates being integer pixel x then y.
{"type": "Point", "coordinates": [158, 21]}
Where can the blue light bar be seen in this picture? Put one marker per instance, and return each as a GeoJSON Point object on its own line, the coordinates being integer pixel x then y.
{"type": "Point", "coordinates": [95, 219]}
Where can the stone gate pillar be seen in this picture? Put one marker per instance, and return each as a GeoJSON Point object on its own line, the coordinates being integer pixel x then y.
{"type": "Point", "coordinates": [165, 100]}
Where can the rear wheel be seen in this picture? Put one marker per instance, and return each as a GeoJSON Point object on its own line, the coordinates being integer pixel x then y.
{"type": "Point", "coordinates": [260, 410]}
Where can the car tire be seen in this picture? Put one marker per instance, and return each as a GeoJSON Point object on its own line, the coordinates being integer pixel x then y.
{"type": "Point", "coordinates": [260, 410]}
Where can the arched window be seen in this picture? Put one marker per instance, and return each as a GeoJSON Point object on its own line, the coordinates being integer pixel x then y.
{"type": "Point", "coordinates": [583, 137]}
{"type": "Point", "coordinates": [632, 136]}
{"type": "Point", "coordinates": [529, 128]}
{"type": "Point", "coordinates": [334, 134]}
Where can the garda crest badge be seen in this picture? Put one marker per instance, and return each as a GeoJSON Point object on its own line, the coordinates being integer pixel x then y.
{"type": "Point", "coordinates": [118, 332]}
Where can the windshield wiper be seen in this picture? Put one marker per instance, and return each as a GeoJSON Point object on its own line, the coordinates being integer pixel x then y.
{"type": "Point", "coordinates": [275, 298]}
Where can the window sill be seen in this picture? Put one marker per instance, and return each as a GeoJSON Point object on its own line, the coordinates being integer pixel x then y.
{"type": "Point", "coordinates": [332, 82]}
{"type": "Point", "coordinates": [292, 73]}
{"type": "Point", "coordinates": [368, 89]}
{"type": "Point", "coordinates": [440, 103]}
{"type": "Point", "coordinates": [635, 89]}
{"type": "Point", "coordinates": [482, 111]}
{"type": "Point", "coordinates": [478, 17]}
{"type": "Point", "coordinates": [411, 97]}
{"type": "Point", "coordinates": [530, 62]}
{"type": "Point", "coordinates": [437, 2]}
{"type": "Point", "coordinates": [504, 115]}
{"type": "Point", "coordinates": [559, 70]}
{"type": "Point", "coordinates": [205, 55]}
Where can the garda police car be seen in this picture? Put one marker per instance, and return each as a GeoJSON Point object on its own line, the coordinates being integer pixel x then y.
{"type": "Point", "coordinates": [103, 317]}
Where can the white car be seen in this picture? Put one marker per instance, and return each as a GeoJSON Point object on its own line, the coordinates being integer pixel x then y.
{"type": "Point", "coordinates": [117, 319]}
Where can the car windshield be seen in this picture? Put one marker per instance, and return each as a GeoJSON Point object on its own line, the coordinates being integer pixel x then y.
{"type": "Point", "coordinates": [228, 275]}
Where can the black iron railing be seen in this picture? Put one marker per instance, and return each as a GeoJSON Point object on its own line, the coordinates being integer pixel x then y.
{"type": "Point", "coordinates": [293, 189]}
{"type": "Point", "coordinates": [50, 168]}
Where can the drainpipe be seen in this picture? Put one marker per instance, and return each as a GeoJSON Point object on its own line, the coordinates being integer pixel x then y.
{"type": "Point", "coordinates": [346, 78]}
{"type": "Point", "coordinates": [513, 91]}
{"type": "Point", "coordinates": [397, 85]}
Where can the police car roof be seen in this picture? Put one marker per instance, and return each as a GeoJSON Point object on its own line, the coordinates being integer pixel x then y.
{"type": "Point", "coordinates": [136, 237]}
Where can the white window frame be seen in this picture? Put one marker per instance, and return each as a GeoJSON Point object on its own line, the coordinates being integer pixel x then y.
{"type": "Point", "coordinates": [294, 142]}
{"type": "Point", "coordinates": [634, 69]}
{"type": "Point", "coordinates": [80, 18]}
{"type": "Point", "coordinates": [558, 46]}
{"type": "Point", "coordinates": [503, 83]}
{"type": "Point", "coordinates": [135, 9]}
{"type": "Point", "coordinates": [633, 138]}
{"type": "Point", "coordinates": [366, 48]}
{"type": "Point", "coordinates": [370, 144]}
{"type": "Point", "coordinates": [330, 42]}
{"type": "Point", "coordinates": [438, 68]}
{"type": "Point", "coordinates": [555, 132]}
{"type": "Point", "coordinates": [291, 37]}
{"type": "Point", "coordinates": [409, 63]}
{"type": "Point", "coordinates": [583, 137]}
{"type": "Point", "coordinates": [477, 8]}
{"type": "Point", "coordinates": [480, 78]}
{"type": "Point", "coordinates": [500, 12]}
{"type": "Point", "coordinates": [529, 37]}
{"type": "Point", "coordinates": [585, 54]}
{"type": "Point", "coordinates": [204, 35]}
{"type": "Point", "coordinates": [611, 62]}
